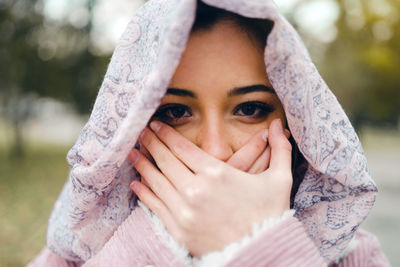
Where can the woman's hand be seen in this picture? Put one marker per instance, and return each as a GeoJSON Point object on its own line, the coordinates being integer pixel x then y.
{"type": "Point", "coordinates": [206, 203]}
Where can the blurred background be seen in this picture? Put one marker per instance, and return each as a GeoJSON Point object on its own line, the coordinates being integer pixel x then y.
{"type": "Point", "coordinates": [54, 53]}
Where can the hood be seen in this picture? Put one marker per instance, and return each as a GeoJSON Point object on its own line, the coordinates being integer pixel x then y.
{"type": "Point", "coordinates": [335, 196]}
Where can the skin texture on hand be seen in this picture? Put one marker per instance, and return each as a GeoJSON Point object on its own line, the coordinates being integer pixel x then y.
{"type": "Point", "coordinates": [206, 203]}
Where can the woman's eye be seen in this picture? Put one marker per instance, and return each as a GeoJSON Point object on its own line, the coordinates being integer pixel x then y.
{"type": "Point", "coordinates": [253, 109]}
{"type": "Point", "coordinates": [172, 113]}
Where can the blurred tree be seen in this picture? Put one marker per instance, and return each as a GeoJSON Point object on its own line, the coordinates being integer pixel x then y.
{"type": "Point", "coordinates": [362, 65]}
{"type": "Point", "coordinates": [42, 58]}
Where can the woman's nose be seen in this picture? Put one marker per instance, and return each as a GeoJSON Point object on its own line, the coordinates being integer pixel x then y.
{"type": "Point", "coordinates": [214, 141]}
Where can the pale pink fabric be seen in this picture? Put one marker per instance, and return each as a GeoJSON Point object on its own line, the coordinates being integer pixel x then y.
{"type": "Point", "coordinates": [48, 258]}
{"type": "Point", "coordinates": [335, 196]}
{"type": "Point", "coordinates": [286, 244]}
{"type": "Point", "coordinates": [367, 253]}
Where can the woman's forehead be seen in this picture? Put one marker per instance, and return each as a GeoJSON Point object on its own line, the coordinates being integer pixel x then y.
{"type": "Point", "coordinates": [221, 57]}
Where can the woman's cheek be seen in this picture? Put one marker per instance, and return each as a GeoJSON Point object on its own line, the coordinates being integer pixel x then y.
{"type": "Point", "coordinates": [279, 113]}
{"type": "Point", "coordinates": [242, 133]}
{"type": "Point", "coordinates": [192, 131]}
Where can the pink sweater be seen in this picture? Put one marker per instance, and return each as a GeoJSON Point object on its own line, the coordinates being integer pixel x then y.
{"type": "Point", "coordinates": [284, 244]}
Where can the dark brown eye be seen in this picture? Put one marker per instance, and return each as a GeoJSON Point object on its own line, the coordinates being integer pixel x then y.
{"type": "Point", "coordinates": [249, 110]}
{"type": "Point", "coordinates": [254, 109]}
{"type": "Point", "coordinates": [177, 112]}
{"type": "Point", "coordinates": [172, 113]}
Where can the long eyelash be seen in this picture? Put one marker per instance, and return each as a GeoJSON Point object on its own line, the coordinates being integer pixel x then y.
{"type": "Point", "coordinates": [165, 107]}
{"type": "Point", "coordinates": [261, 105]}
{"type": "Point", "coordinates": [160, 114]}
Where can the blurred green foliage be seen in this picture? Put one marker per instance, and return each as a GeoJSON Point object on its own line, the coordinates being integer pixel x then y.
{"type": "Point", "coordinates": [46, 59]}
{"type": "Point", "coordinates": [28, 188]}
{"type": "Point", "coordinates": [362, 65]}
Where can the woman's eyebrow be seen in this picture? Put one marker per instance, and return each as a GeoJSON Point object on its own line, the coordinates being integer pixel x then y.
{"type": "Point", "coordinates": [249, 89]}
{"type": "Point", "coordinates": [180, 92]}
{"type": "Point", "coordinates": [234, 92]}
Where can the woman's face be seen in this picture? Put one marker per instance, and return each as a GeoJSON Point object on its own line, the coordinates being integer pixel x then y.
{"type": "Point", "coordinates": [220, 95]}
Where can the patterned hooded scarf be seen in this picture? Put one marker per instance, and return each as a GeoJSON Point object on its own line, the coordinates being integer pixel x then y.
{"type": "Point", "coordinates": [335, 195]}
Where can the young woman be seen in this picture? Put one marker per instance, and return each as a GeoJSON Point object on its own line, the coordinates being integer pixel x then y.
{"type": "Point", "coordinates": [216, 85]}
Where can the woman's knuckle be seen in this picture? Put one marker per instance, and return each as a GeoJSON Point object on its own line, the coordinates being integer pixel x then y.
{"type": "Point", "coordinates": [186, 218]}
{"type": "Point", "coordinates": [179, 148]}
{"type": "Point", "coordinates": [241, 165]}
{"type": "Point", "coordinates": [213, 172]}
{"type": "Point", "coordinates": [152, 143]}
{"type": "Point", "coordinates": [157, 207]}
{"type": "Point", "coordinates": [192, 194]}
{"type": "Point", "coordinates": [153, 184]}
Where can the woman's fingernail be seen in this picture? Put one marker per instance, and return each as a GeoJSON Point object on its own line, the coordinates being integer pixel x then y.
{"type": "Point", "coordinates": [135, 187]}
{"type": "Point", "coordinates": [265, 135]}
{"type": "Point", "coordinates": [287, 133]}
{"type": "Point", "coordinates": [155, 126]}
{"type": "Point", "coordinates": [133, 156]}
